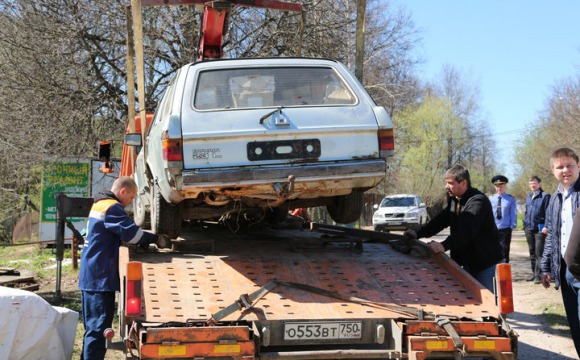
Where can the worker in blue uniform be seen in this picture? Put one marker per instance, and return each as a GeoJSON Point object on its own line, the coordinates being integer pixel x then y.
{"type": "Point", "coordinates": [504, 209]}
{"type": "Point", "coordinates": [108, 227]}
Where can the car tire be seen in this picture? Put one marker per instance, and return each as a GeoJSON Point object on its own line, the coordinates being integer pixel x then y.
{"type": "Point", "coordinates": [165, 217]}
{"type": "Point", "coordinates": [141, 216]}
{"type": "Point", "coordinates": [346, 209]}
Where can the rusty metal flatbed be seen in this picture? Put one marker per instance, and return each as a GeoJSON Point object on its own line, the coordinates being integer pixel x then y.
{"type": "Point", "coordinates": [197, 285]}
{"type": "Point", "coordinates": [310, 280]}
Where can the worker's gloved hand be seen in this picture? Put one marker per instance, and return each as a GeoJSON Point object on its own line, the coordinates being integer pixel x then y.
{"type": "Point", "coordinates": [163, 242]}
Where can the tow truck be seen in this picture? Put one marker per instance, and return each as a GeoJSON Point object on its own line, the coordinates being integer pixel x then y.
{"type": "Point", "coordinates": [303, 290]}
{"type": "Point", "coordinates": [314, 292]}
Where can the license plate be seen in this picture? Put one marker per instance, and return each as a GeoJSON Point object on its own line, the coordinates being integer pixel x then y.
{"type": "Point", "coordinates": [323, 331]}
{"type": "Point", "coordinates": [173, 350]}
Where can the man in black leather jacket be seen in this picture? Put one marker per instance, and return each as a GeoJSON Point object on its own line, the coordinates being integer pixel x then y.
{"type": "Point", "coordinates": [473, 241]}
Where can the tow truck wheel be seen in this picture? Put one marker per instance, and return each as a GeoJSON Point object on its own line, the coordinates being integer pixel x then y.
{"type": "Point", "coordinates": [140, 215]}
{"type": "Point", "coordinates": [346, 209]}
{"type": "Point", "coordinates": [165, 217]}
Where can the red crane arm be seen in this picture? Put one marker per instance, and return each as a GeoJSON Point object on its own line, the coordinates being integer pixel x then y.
{"type": "Point", "coordinates": [215, 15]}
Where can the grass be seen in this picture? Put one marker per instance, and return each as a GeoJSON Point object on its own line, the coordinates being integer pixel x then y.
{"type": "Point", "coordinates": [42, 263]}
{"type": "Point", "coordinates": [554, 316]}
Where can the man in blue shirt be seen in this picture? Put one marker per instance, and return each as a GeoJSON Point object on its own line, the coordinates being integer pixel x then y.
{"type": "Point", "coordinates": [108, 227]}
{"type": "Point", "coordinates": [503, 206]}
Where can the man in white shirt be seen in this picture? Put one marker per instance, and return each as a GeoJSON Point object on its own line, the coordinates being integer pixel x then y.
{"type": "Point", "coordinates": [559, 219]}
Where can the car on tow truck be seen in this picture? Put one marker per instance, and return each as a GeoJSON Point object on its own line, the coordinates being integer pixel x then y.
{"type": "Point", "coordinates": [400, 212]}
{"type": "Point", "coordinates": [245, 140]}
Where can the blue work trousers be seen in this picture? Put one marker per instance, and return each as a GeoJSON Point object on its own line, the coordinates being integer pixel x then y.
{"type": "Point", "coordinates": [570, 287]}
{"type": "Point", "coordinates": [98, 312]}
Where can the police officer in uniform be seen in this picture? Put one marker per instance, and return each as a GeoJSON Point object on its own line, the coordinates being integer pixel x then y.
{"type": "Point", "coordinates": [504, 213]}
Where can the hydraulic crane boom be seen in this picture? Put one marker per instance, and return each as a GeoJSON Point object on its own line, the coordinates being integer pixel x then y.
{"type": "Point", "coordinates": [215, 17]}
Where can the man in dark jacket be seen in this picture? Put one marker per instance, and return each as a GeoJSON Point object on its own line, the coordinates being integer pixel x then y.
{"type": "Point", "coordinates": [473, 241]}
{"type": "Point", "coordinates": [560, 217]}
{"type": "Point", "coordinates": [534, 221]}
{"type": "Point", "coordinates": [108, 227]}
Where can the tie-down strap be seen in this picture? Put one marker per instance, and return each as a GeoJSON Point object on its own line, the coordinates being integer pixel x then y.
{"type": "Point", "coordinates": [445, 324]}
{"type": "Point", "coordinates": [246, 301]}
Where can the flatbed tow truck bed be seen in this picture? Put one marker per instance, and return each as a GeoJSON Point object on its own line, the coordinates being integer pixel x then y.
{"type": "Point", "coordinates": [321, 294]}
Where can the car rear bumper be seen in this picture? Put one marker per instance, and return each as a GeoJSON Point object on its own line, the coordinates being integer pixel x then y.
{"type": "Point", "coordinates": [330, 176]}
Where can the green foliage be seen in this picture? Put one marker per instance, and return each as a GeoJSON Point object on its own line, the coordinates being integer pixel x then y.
{"type": "Point", "coordinates": [556, 126]}
{"type": "Point", "coordinates": [429, 137]}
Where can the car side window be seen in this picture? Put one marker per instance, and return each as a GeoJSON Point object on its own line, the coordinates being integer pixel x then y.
{"type": "Point", "coordinates": [164, 105]}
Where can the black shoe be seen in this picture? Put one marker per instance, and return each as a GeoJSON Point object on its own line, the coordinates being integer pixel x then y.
{"type": "Point", "coordinates": [532, 278]}
{"type": "Point", "coordinates": [537, 280]}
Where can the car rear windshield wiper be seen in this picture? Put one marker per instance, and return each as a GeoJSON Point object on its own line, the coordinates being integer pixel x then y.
{"type": "Point", "coordinates": [279, 109]}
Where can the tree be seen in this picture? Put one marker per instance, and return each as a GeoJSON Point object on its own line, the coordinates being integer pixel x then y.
{"type": "Point", "coordinates": [63, 67]}
{"type": "Point", "coordinates": [556, 126]}
{"type": "Point", "coordinates": [423, 146]}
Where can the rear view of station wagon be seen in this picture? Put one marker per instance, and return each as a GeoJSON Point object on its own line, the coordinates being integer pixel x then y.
{"type": "Point", "coordinates": [243, 141]}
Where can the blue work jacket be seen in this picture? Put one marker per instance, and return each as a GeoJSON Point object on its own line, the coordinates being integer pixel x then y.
{"type": "Point", "coordinates": [108, 227]}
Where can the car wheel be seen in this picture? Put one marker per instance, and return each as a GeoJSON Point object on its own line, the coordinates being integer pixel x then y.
{"type": "Point", "coordinates": [346, 209]}
{"type": "Point", "coordinates": [165, 217]}
{"type": "Point", "coordinates": [142, 217]}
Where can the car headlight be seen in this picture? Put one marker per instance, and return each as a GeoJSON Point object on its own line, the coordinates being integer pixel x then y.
{"type": "Point", "coordinates": [412, 215]}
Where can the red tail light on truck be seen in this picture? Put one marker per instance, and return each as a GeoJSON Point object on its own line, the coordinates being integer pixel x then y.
{"type": "Point", "coordinates": [133, 290]}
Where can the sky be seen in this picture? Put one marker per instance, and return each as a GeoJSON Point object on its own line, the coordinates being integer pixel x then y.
{"type": "Point", "coordinates": [515, 51]}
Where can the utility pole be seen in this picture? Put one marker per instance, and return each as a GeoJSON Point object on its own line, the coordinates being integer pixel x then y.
{"type": "Point", "coordinates": [361, 10]}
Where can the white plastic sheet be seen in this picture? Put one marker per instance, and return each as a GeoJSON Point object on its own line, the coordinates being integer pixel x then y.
{"type": "Point", "coordinates": [32, 329]}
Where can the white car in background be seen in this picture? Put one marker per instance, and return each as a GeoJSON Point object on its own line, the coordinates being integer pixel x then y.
{"type": "Point", "coordinates": [400, 212]}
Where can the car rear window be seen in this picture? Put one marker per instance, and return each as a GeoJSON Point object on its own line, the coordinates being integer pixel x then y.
{"type": "Point", "coordinates": [268, 87]}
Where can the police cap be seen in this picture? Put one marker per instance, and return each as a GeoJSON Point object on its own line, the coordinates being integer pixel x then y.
{"type": "Point", "coordinates": [499, 179]}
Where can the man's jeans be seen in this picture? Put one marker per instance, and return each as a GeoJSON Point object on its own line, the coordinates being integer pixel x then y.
{"type": "Point", "coordinates": [485, 276]}
{"type": "Point", "coordinates": [536, 241]}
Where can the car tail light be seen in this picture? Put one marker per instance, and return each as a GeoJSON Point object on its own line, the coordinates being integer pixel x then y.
{"type": "Point", "coordinates": [133, 289]}
{"type": "Point", "coordinates": [386, 142]}
{"type": "Point", "coordinates": [503, 274]}
{"type": "Point", "coordinates": [172, 149]}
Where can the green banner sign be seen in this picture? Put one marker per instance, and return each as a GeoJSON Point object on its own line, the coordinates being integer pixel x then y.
{"type": "Point", "coordinates": [71, 178]}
